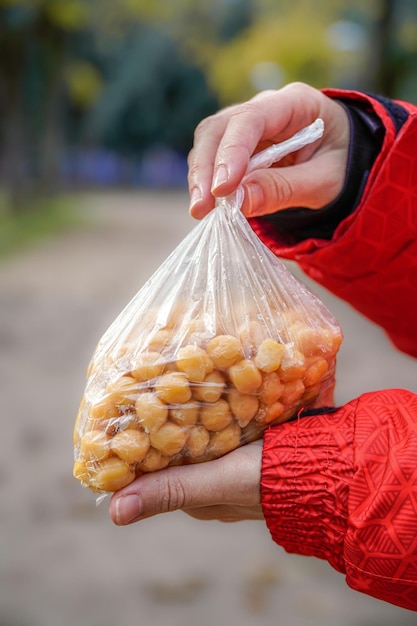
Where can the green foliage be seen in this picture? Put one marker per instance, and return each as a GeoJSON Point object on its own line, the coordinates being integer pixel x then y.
{"type": "Point", "coordinates": [150, 95]}
{"type": "Point", "coordinates": [134, 74]}
{"type": "Point", "coordinates": [20, 231]}
{"type": "Point", "coordinates": [295, 46]}
{"type": "Point", "coordinates": [291, 36]}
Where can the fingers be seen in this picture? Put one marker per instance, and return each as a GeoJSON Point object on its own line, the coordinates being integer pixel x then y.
{"type": "Point", "coordinates": [233, 479]}
{"type": "Point", "coordinates": [312, 185]}
{"type": "Point", "coordinates": [209, 169]}
{"type": "Point", "coordinates": [225, 142]}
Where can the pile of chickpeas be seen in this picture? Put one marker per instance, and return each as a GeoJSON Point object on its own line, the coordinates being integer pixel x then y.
{"type": "Point", "coordinates": [195, 403]}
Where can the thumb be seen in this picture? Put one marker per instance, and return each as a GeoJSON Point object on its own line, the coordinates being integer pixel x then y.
{"type": "Point", "coordinates": [233, 479]}
{"type": "Point", "coordinates": [312, 184]}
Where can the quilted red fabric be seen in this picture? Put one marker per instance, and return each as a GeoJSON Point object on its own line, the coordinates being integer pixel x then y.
{"type": "Point", "coordinates": [343, 486]}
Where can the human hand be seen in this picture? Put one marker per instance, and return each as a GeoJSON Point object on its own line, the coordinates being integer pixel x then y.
{"type": "Point", "coordinates": [224, 143]}
{"type": "Point", "coordinates": [226, 489]}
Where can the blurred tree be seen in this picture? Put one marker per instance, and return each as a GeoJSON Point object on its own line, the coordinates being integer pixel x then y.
{"type": "Point", "coordinates": [373, 46]}
{"type": "Point", "coordinates": [93, 65]}
{"type": "Point", "coordinates": [149, 94]}
{"type": "Point", "coordinates": [128, 74]}
{"type": "Point", "coordinates": [284, 42]}
{"type": "Point", "coordinates": [34, 40]}
{"type": "Point", "coordinates": [393, 58]}
{"type": "Point", "coordinates": [11, 102]}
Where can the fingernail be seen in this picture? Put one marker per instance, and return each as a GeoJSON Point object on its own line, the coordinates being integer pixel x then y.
{"type": "Point", "coordinates": [221, 176]}
{"type": "Point", "coordinates": [196, 196]}
{"type": "Point", "coordinates": [127, 509]}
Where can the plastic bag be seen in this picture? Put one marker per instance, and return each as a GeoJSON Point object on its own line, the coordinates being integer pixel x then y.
{"type": "Point", "coordinates": [221, 342]}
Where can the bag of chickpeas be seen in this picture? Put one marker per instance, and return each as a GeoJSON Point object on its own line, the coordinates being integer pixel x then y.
{"type": "Point", "coordinates": [221, 342]}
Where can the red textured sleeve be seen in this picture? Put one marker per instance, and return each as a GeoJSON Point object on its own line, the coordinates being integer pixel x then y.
{"type": "Point", "coordinates": [342, 486]}
{"type": "Point", "coordinates": [371, 261]}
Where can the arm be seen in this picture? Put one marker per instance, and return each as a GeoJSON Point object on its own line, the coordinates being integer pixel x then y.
{"type": "Point", "coordinates": [343, 487]}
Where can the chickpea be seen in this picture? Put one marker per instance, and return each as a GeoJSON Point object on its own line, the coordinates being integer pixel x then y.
{"type": "Point", "coordinates": [315, 372]}
{"type": "Point", "coordinates": [81, 472]}
{"type": "Point", "coordinates": [270, 413]}
{"type": "Point", "coordinates": [169, 439]}
{"type": "Point", "coordinates": [315, 341]}
{"type": "Point", "coordinates": [105, 426]}
{"type": "Point", "coordinates": [224, 351]}
{"type": "Point", "coordinates": [211, 389]}
{"type": "Point", "coordinates": [147, 366]}
{"type": "Point", "coordinates": [304, 337]}
{"type": "Point", "coordinates": [95, 445]}
{"type": "Point", "coordinates": [185, 414]}
{"type": "Point", "coordinates": [130, 445]}
{"type": "Point", "coordinates": [194, 362]}
{"type": "Point", "coordinates": [104, 409]}
{"type": "Point", "coordinates": [269, 355]}
{"type": "Point", "coordinates": [330, 341]}
{"type": "Point", "coordinates": [225, 440]}
{"type": "Point", "coordinates": [153, 461]}
{"type": "Point", "coordinates": [198, 439]}
{"type": "Point", "coordinates": [244, 407]}
{"type": "Point", "coordinates": [310, 394]}
{"type": "Point", "coordinates": [216, 416]}
{"type": "Point", "coordinates": [151, 412]}
{"type": "Point", "coordinates": [271, 388]}
{"type": "Point", "coordinates": [120, 351]}
{"type": "Point", "coordinates": [290, 318]}
{"type": "Point", "coordinates": [292, 392]}
{"type": "Point", "coordinates": [245, 376]}
{"type": "Point", "coordinates": [112, 474]}
{"type": "Point", "coordinates": [196, 326]}
{"type": "Point", "coordinates": [292, 364]}
{"type": "Point", "coordinates": [125, 421]}
{"type": "Point", "coordinates": [197, 333]}
{"type": "Point", "coordinates": [123, 391]}
{"type": "Point", "coordinates": [160, 340]}
{"type": "Point", "coordinates": [102, 364]}
{"type": "Point", "coordinates": [173, 388]}
{"type": "Point", "coordinates": [251, 336]}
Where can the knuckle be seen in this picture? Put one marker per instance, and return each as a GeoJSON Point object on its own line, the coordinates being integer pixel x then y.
{"type": "Point", "coordinates": [193, 165]}
{"type": "Point", "coordinates": [281, 189]}
{"type": "Point", "coordinates": [172, 494]}
{"type": "Point", "coordinates": [247, 109]}
{"type": "Point", "coordinates": [298, 86]}
{"type": "Point", "coordinates": [204, 125]}
{"type": "Point", "coordinates": [266, 94]}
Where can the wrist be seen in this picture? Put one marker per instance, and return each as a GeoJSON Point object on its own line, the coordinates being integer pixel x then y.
{"type": "Point", "coordinates": [306, 471]}
{"type": "Point", "coordinates": [366, 138]}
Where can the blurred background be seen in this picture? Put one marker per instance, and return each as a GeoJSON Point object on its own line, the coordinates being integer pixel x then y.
{"type": "Point", "coordinates": [108, 92]}
{"type": "Point", "coordinates": [98, 104]}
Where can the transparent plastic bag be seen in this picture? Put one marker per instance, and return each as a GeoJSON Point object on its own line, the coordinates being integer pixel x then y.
{"type": "Point", "coordinates": [221, 342]}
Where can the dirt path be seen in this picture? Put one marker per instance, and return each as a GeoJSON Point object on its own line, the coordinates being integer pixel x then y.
{"type": "Point", "coordinates": [62, 562]}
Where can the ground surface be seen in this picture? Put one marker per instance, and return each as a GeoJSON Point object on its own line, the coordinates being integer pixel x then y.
{"type": "Point", "coordinates": [62, 562]}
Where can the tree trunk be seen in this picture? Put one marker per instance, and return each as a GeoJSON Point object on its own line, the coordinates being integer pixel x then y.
{"type": "Point", "coordinates": [386, 66]}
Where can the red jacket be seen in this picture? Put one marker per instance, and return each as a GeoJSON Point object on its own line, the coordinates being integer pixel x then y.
{"type": "Point", "coordinates": [343, 486]}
